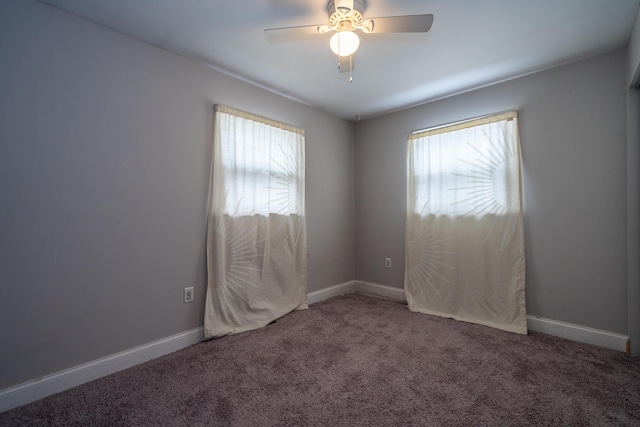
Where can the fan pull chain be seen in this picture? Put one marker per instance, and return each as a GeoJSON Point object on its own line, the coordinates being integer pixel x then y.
{"type": "Point", "coordinates": [351, 68]}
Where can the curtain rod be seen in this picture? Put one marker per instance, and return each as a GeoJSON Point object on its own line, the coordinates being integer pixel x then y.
{"type": "Point", "coordinates": [415, 132]}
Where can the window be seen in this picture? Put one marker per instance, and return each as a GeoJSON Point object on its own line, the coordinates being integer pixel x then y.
{"type": "Point", "coordinates": [462, 170]}
{"type": "Point", "coordinates": [464, 247]}
{"type": "Point", "coordinates": [263, 163]}
{"type": "Point", "coordinates": [256, 230]}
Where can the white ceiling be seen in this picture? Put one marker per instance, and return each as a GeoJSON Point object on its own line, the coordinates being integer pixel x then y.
{"type": "Point", "coordinates": [472, 43]}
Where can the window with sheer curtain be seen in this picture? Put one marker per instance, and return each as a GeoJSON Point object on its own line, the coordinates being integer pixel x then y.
{"type": "Point", "coordinates": [256, 231]}
{"type": "Point", "coordinates": [464, 248]}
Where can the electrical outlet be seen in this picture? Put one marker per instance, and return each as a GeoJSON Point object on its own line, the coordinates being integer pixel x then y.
{"type": "Point", "coordinates": [188, 294]}
{"type": "Point", "coordinates": [387, 262]}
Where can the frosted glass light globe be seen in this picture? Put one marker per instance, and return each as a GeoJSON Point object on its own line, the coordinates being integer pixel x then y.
{"type": "Point", "coordinates": [344, 43]}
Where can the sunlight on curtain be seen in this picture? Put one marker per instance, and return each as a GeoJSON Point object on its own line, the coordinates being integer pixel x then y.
{"type": "Point", "coordinates": [464, 242]}
{"type": "Point", "coordinates": [256, 231]}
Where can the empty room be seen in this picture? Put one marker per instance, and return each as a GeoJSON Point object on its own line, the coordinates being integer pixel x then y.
{"type": "Point", "coordinates": [319, 212]}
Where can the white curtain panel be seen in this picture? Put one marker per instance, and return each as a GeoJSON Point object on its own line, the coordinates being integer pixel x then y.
{"type": "Point", "coordinates": [464, 241]}
{"type": "Point", "coordinates": [256, 231]}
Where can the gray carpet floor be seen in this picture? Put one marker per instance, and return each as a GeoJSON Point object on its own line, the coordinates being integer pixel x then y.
{"type": "Point", "coordinates": [356, 360]}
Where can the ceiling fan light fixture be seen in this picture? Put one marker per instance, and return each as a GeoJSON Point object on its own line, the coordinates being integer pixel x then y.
{"type": "Point", "coordinates": [344, 43]}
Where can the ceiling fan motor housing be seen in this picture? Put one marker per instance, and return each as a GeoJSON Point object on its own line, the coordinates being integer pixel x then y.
{"type": "Point", "coordinates": [345, 10]}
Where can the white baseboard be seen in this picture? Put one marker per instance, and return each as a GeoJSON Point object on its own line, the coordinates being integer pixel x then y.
{"type": "Point", "coordinates": [50, 384]}
{"type": "Point", "coordinates": [37, 389]}
{"type": "Point", "coordinates": [382, 291]}
{"type": "Point", "coordinates": [578, 333]}
{"type": "Point", "coordinates": [569, 331]}
{"type": "Point", "coordinates": [33, 390]}
{"type": "Point", "coordinates": [358, 287]}
{"type": "Point", "coordinates": [331, 291]}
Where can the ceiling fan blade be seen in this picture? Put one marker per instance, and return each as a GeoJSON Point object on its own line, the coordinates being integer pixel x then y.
{"type": "Point", "coordinates": [346, 64]}
{"type": "Point", "coordinates": [306, 30]}
{"type": "Point", "coordinates": [402, 24]}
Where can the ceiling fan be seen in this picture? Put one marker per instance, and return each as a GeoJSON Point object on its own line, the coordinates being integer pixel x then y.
{"type": "Point", "coordinates": [345, 18]}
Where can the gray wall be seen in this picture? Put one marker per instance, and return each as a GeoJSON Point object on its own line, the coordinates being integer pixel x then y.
{"type": "Point", "coordinates": [572, 128]}
{"type": "Point", "coordinates": [633, 218]}
{"type": "Point", "coordinates": [633, 187]}
{"type": "Point", "coordinates": [105, 147]}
